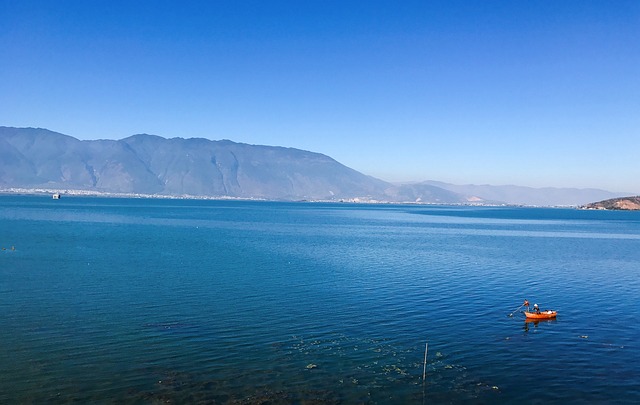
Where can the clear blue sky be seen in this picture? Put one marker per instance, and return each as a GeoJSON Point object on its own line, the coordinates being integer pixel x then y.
{"type": "Point", "coordinates": [534, 93]}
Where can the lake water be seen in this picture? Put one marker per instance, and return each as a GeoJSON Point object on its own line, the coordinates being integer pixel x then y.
{"type": "Point", "coordinates": [182, 301]}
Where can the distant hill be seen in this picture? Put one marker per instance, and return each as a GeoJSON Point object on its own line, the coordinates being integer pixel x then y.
{"type": "Point", "coordinates": [624, 203]}
{"type": "Point", "coordinates": [34, 158]}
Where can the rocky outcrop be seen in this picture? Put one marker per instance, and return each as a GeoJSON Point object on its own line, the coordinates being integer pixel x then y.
{"type": "Point", "coordinates": [624, 203]}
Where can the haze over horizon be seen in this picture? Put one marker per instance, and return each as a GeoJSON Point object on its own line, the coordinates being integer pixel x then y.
{"type": "Point", "coordinates": [541, 94]}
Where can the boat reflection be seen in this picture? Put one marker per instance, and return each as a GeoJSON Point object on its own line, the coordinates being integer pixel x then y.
{"type": "Point", "coordinates": [536, 322]}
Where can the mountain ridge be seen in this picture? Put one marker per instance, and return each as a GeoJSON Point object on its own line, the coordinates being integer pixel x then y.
{"type": "Point", "coordinates": [37, 158]}
{"type": "Point", "coordinates": [150, 164]}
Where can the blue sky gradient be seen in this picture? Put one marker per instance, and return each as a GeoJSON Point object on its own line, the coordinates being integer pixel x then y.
{"type": "Point", "coordinates": [534, 93]}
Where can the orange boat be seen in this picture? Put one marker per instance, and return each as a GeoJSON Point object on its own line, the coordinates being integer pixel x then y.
{"type": "Point", "coordinates": [541, 315]}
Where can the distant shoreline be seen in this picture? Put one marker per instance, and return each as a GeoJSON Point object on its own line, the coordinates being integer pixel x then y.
{"type": "Point", "coordinates": [92, 193]}
{"type": "Point", "coordinates": [99, 194]}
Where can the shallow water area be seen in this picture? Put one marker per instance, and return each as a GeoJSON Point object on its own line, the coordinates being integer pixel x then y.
{"type": "Point", "coordinates": [188, 301]}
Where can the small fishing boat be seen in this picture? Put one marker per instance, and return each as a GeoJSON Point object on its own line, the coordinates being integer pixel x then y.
{"type": "Point", "coordinates": [541, 315]}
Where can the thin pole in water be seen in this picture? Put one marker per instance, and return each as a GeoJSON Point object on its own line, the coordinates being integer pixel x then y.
{"type": "Point", "coordinates": [424, 370]}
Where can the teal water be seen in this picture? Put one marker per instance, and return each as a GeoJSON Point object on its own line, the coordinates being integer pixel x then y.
{"type": "Point", "coordinates": [182, 301]}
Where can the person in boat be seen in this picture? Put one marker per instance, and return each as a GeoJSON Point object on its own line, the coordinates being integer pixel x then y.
{"type": "Point", "coordinates": [536, 308]}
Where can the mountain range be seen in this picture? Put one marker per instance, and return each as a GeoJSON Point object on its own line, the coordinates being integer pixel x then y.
{"type": "Point", "coordinates": [35, 158]}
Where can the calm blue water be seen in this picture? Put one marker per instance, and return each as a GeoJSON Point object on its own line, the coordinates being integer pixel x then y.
{"type": "Point", "coordinates": [145, 301]}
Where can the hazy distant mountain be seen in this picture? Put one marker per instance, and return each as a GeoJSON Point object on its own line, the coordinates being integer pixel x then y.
{"type": "Point", "coordinates": [146, 164]}
{"type": "Point", "coordinates": [425, 193]}
{"type": "Point", "coordinates": [519, 195]}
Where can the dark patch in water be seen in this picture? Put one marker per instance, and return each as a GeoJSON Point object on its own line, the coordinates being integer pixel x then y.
{"type": "Point", "coordinates": [344, 370]}
{"type": "Point", "coordinates": [176, 387]}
